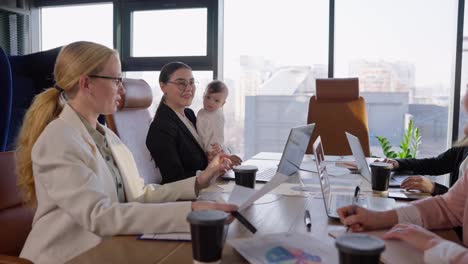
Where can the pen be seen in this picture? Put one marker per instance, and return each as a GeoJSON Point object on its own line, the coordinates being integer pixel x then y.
{"type": "Point", "coordinates": [355, 199]}
{"type": "Point", "coordinates": [244, 221]}
{"type": "Point", "coordinates": [307, 219]}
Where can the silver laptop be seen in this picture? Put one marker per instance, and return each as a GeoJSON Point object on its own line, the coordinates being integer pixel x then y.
{"type": "Point", "coordinates": [334, 201]}
{"type": "Point", "coordinates": [291, 158]}
{"type": "Point", "coordinates": [361, 162]}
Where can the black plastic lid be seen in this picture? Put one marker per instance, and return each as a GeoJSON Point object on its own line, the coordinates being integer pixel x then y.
{"type": "Point", "coordinates": [207, 217]}
{"type": "Point", "coordinates": [245, 168]}
{"type": "Point", "coordinates": [360, 244]}
{"type": "Point", "coordinates": [382, 165]}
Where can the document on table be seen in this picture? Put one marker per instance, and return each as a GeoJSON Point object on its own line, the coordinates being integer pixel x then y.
{"type": "Point", "coordinates": [395, 251]}
{"type": "Point", "coordinates": [168, 236]}
{"type": "Point", "coordinates": [244, 197]}
{"type": "Point", "coordinates": [285, 248]}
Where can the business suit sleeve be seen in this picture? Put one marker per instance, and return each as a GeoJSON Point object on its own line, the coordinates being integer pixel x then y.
{"type": "Point", "coordinates": [60, 166]}
{"type": "Point", "coordinates": [446, 162]}
{"type": "Point", "coordinates": [162, 144]}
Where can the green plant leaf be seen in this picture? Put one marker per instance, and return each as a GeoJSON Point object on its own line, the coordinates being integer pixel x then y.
{"type": "Point", "coordinates": [409, 145]}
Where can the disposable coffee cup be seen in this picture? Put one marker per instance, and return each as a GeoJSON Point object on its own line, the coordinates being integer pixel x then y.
{"type": "Point", "coordinates": [245, 175]}
{"type": "Point", "coordinates": [359, 248]}
{"type": "Point", "coordinates": [207, 228]}
{"type": "Point", "coordinates": [380, 176]}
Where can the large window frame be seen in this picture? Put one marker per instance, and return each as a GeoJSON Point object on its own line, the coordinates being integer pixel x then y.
{"type": "Point", "coordinates": [201, 63]}
{"type": "Point", "coordinates": [213, 61]}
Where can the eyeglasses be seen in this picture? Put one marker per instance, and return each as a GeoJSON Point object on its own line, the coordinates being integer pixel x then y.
{"type": "Point", "coordinates": [183, 84]}
{"type": "Point", "coordinates": [117, 80]}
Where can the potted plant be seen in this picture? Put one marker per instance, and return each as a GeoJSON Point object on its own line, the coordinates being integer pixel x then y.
{"type": "Point", "coordinates": [409, 144]}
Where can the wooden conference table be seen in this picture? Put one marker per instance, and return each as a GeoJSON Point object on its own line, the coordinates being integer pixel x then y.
{"type": "Point", "coordinates": [284, 213]}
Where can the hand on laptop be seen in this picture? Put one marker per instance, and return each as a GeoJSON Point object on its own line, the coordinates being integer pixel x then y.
{"type": "Point", "coordinates": [364, 219]}
{"type": "Point", "coordinates": [391, 161]}
{"type": "Point", "coordinates": [419, 183]}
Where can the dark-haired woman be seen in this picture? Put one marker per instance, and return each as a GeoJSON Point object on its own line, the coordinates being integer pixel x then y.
{"type": "Point", "coordinates": [172, 139]}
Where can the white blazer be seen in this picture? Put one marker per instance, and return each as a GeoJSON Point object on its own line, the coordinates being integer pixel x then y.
{"type": "Point", "coordinates": [77, 199]}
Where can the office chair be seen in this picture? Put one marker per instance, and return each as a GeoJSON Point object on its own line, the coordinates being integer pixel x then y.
{"type": "Point", "coordinates": [6, 94]}
{"type": "Point", "coordinates": [30, 75]}
{"type": "Point", "coordinates": [336, 108]}
{"type": "Point", "coordinates": [131, 123]}
{"type": "Point", "coordinates": [15, 218]}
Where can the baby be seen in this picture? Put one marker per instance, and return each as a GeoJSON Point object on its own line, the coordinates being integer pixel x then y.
{"type": "Point", "coordinates": [210, 119]}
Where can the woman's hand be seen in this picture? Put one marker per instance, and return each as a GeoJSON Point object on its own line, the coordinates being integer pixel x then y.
{"type": "Point", "coordinates": [393, 162]}
{"type": "Point", "coordinates": [235, 160]}
{"type": "Point", "coordinates": [218, 166]}
{"type": "Point", "coordinates": [414, 235]}
{"type": "Point", "coordinates": [214, 150]}
{"type": "Point", "coordinates": [418, 182]}
{"type": "Point", "coordinates": [207, 205]}
{"type": "Point", "coordinates": [360, 219]}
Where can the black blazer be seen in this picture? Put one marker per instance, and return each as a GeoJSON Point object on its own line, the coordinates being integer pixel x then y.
{"type": "Point", "coordinates": [175, 151]}
{"type": "Point", "coordinates": [447, 162]}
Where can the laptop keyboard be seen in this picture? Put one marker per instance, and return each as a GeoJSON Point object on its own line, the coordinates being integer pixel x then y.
{"type": "Point", "coordinates": [342, 200]}
{"type": "Point", "coordinates": [266, 175]}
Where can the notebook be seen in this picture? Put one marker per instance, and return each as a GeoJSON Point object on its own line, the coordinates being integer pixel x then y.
{"type": "Point", "coordinates": [291, 158]}
{"type": "Point", "coordinates": [334, 201]}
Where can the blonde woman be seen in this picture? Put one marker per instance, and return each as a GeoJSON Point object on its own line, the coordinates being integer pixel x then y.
{"type": "Point", "coordinates": [81, 178]}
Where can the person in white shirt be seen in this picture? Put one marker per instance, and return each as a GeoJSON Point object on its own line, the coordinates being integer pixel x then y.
{"type": "Point", "coordinates": [210, 120]}
{"type": "Point", "coordinates": [80, 177]}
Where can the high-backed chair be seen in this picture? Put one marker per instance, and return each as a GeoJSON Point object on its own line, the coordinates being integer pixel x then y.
{"type": "Point", "coordinates": [15, 218]}
{"type": "Point", "coordinates": [131, 123]}
{"type": "Point", "coordinates": [30, 75]}
{"type": "Point", "coordinates": [6, 94]}
{"type": "Point", "coordinates": [337, 108]}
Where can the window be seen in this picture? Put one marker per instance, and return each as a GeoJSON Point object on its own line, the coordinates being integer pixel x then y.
{"type": "Point", "coordinates": [93, 22]}
{"type": "Point", "coordinates": [273, 52]}
{"type": "Point", "coordinates": [157, 32]}
{"type": "Point", "coordinates": [185, 37]}
{"type": "Point", "coordinates": [404, 59]}
{"type": "Point", "coordinates": [463, 118]}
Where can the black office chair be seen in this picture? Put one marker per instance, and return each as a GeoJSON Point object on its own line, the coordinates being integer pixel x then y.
{"type": "Point", "coordinates": [6, 94]}
{"type": "Point", "coordinates": [30, 75]}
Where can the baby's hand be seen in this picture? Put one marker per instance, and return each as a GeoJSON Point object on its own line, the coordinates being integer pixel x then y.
{"type": "Point", "coordinates": [216, 148]}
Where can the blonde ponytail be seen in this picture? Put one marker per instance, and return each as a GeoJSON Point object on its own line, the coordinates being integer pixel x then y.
{"type": "Point", "coordinates": [45, 108]}
{"type": "Point", "coordinates": [74, 60]}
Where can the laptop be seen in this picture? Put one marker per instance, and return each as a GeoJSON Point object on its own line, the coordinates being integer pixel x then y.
{"type": "Point", "coordinates": [363, 167]}
{"type": "Point", "coordinates": [334, 201]}
{"type": "Point", "coordinates": [291, 158]}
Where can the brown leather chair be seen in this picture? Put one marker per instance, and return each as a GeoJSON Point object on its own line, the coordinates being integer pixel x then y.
{"type": "Point", "coordinates": [131, 123]}
{"type": "Point", "coordinates": [15, 218]}
{"type": "Point", "coordinates": [337, 108]}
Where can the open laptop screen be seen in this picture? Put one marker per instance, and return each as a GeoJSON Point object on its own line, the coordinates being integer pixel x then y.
{"type": "Point", "coordinates": [322, 171]}
{"type": "Point", "coordinates": [359, 156]}
{"type": "Point", "coordinates": [295, 149]}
